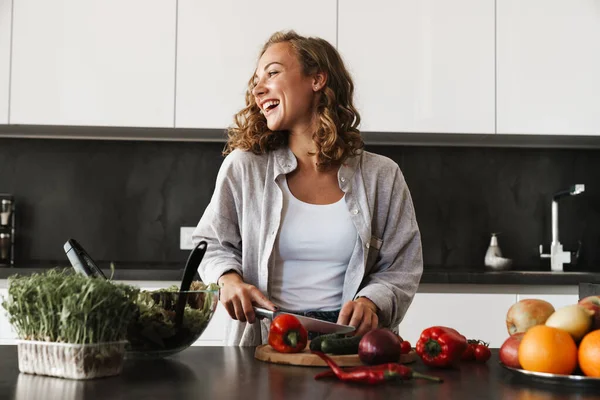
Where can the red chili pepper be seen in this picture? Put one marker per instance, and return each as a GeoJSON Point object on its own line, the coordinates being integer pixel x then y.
{"type": "Point", "coordinates": [440, 346]}
{"type": "Point", "coordinates": [287, 334]}
{"type": "Point", "coordinates": [331, 374]}
{"type": "Point", "coordinates": [405, 347]}
{"type": "Point", "coordinates": [372, 375]}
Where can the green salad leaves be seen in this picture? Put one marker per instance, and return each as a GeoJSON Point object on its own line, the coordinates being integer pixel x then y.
{"type": "Point", "coordinates": [153, 328]}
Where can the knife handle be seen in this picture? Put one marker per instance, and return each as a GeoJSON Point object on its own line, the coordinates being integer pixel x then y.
{"type": "Point", "coordinates": [263, 313]}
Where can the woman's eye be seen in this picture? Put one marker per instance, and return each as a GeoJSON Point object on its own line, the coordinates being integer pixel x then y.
{"type": "Point", "coordinates": [271, 73]}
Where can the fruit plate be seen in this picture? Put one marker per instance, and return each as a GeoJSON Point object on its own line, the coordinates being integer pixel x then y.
{"type": "Point", "coordinates": [562, 380]}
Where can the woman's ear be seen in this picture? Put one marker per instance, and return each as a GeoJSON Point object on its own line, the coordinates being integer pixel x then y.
{"type": "Point", "coordinates": [319, 81]}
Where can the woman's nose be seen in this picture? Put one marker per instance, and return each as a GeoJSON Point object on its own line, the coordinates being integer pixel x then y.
{"type": "Point", "coordinates": [258, 89]}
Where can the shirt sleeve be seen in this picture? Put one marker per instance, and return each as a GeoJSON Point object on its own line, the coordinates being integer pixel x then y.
{"type": "Point", "coordinates": [392, 281]}
{"type": "Point", "coordinates": [219, 227]}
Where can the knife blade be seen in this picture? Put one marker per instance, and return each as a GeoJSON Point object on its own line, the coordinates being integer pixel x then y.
{"type": "Point", "coordinates": [311, 324]}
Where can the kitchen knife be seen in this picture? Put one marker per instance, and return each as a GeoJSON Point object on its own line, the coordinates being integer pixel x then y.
{"type": "Point", "coordinates": [81, 261]}
{"type": "Point", "coordinates": [311, 324]}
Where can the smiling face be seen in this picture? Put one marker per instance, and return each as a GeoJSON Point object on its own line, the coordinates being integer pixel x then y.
{"type": "Point", "coordinates": [285, 95]}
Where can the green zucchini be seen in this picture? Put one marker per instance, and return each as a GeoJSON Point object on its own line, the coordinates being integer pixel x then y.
{"type": "Point", "coordinates": [343, 345]}
{"type": "Point", "coordinates": [315, 344]}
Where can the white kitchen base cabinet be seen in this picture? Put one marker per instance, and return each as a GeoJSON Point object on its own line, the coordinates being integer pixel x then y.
{"type": "Point", "coordinates": [421, 66]}
{"type": "Point", "coordinates": [214, 335]}
{"type": "Point", "coordinates": [475, 315]}
{"type": "Point", "coordinates": [100, 63]}
{"type": "Point", "coordinates": [557, 300]}
{"type": "Point", "coordinates": [476, 311]}
{"type": "Point", "coordinates": [548, 58]}
{"type": "Point", "coordinates": [216, 57]}
{"type": "Point", "coordinates": [5, 31]}
{"type": "Point", "coordinates": [7, 333]}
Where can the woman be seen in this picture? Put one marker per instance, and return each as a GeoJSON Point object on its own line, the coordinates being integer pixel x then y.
{"type": "Point", "coordinates": [301, 217]}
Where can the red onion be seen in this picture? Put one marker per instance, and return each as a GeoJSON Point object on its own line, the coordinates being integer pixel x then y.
{"type": "Point", "coordinates": [379, 346]}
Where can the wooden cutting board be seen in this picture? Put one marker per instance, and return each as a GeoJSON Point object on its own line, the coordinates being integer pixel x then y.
{"type": "Point", "coordinates": [266, 353]}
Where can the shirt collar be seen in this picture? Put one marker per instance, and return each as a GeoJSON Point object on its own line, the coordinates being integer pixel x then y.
{"type": "Point", "coordinates": [285, 162]}
{"type": "Point", "coordinates": [347, 171]}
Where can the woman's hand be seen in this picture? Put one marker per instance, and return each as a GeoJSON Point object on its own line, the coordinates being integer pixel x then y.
{"type": "Point", "coordinates": [360, 313]}
{"type": "Point", "coordinates": [238, 297]}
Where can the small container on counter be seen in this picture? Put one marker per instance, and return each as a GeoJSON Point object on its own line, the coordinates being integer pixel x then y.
{"type": "Point", "coordinates": [7, 230]}
{"type": "Point", "coordinates": [5, 247]}
{"type": "Point", "coordinates": [493, 257]}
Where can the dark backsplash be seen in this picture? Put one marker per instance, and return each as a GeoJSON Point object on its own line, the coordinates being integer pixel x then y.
{"type": "Point", "coordinates": [124, 201]}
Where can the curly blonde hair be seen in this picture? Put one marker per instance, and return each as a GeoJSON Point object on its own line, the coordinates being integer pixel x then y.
{"type": "Point", "coordinates": [336, 136]}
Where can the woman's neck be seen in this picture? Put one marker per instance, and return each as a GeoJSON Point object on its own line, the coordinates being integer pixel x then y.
{"type": "Point", "coordinates": [304, 148]}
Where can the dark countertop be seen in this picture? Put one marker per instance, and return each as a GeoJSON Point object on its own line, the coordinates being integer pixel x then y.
{"type": "Point", "coordinates": [525, 277]}
{"type": "Point", "coordinates": [430, 275]}
{"type": "Point", "coordinates": [233, 373]}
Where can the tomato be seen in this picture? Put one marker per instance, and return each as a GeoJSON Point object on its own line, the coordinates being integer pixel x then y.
{"type": "Point", "coordinates": [469, 353]}
{"type": "Point", "coordinates": [405, 347]}
{"type": "Point", "coordinates": [477, 350]}
{"type": "Point", "coordinates": [482, 353]}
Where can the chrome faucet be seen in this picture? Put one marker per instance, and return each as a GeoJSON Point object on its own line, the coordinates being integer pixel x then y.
{"type": "Point", "coordinates": [557, 256]}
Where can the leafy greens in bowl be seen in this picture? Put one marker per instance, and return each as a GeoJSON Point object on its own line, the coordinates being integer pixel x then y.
{"type": "Point", "coordinates": [154, 332]}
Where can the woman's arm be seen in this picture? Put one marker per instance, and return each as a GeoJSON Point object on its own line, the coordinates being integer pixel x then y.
{"type": "Point", "coordinates": [222, 262]}
{"type": "Point", "coordinates": [219, 228]}
{"type": "Point", "coordinates": [392, 282]}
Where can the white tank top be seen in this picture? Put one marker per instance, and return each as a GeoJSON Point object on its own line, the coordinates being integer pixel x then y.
{"type": "Point", "coordinates": [312, 252]}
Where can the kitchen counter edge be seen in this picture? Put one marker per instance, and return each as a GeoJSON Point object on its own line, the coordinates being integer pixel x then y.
{"type": "Point", "coordinates": [430, 275]}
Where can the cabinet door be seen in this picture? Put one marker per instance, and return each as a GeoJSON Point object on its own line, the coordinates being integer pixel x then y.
{"type": "Point", "coordinates": [5, 31]}
{"type": "Point", "coordinates": [421, 66]}
{"type": "Point", "coordinates": [7, 333]}
{"type": "Point", "coordinates": [214, 335]}
{"type": "Point", "coordinates": [475, 315]}
{"type": "Point", "coordinates": [218, 44]}
{"type": "Point", "coordinates": [106, 63]}
{"type": "Point", "coordinates": [548, 58]}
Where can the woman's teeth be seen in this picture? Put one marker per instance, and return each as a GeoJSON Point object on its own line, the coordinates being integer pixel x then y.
{"type": "Point", "coordinates": [271, 104]}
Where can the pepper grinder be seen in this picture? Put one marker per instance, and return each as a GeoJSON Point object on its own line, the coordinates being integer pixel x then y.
{"type": "Point", "coordinates": [7, 230]}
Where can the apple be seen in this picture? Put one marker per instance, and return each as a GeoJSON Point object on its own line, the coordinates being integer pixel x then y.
{"type": "Point", "coordinates": [575, 319]}
{"type": "Point", "coordinates": [509, 351]}
{"type": "Point", "coordinates": [527, 313]}
{"type": "Point", "coordinates": [592, 303]}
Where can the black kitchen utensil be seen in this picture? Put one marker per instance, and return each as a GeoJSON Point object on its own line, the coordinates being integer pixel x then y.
{"type": "Point", "coordinates": [81, 261]}
{"type": "Point", "coordinates": [190, 270]}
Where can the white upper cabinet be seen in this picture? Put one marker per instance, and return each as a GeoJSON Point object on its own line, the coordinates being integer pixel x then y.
{"type": "Point", "coordinates": [5, 29]}
{"type": "Point", "coordinates": [218, 44]}
{"type": "Point", "coordinates": [421, 66]}
{"type": "Point", "coordinates": [548, 61]}
{"type": "Point", "coordinates": [85, 62]}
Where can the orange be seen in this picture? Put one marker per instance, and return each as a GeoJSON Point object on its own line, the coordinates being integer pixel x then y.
{"type": "Point", "coordinates": [589, 354]}
{"type": "Point", "coordinates": [548, 349]}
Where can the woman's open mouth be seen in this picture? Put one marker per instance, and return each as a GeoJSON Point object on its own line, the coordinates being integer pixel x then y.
{"type": "Point", "coordinates": [269, 106]}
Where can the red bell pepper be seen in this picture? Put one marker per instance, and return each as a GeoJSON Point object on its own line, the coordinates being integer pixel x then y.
{"type": "Point", "coordinates": [440, 346]}
{"type": "Point", "coordinates": [287, 334]}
